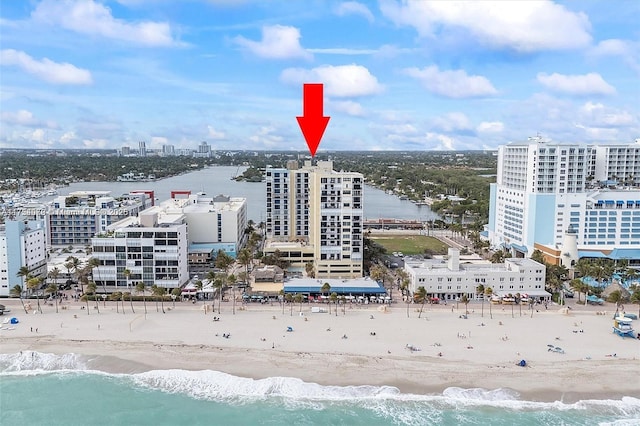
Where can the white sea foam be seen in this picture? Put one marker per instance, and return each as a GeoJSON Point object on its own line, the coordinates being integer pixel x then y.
{"type": "Point", "coordinates": [31, 362]}
{"type": "Point", "coordinates": [387, 401]}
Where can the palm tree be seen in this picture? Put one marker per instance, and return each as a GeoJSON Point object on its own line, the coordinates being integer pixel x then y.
{"type": "Point", "coordinates": [127, 275]}
{"type": "Point", "coordinates": [74, 264]}
{"type": "Point", "coordinates": [310, 270]}
{"type": "Point", "coordinates": [128, 294]}
{"type": "Point", "coordinates": [282, 297]}
{"type": "Point", "coordinates": [115, 296]}
{"type": "Point", "coordinates": [518, 300]}
{"type": "Point", "coordinates": [16, 291]}
{"type": "Point", "coordinates": [289, 298]}
{"type": "Point", "coordinates": [343, 300]}
{"type": "Point", "coordinates": [92, 264]}
{"type": "Point", "coordinates": [159, 292]}
{"type": "Point", "coordinates": [175, 293]}
{"type": "Point", "coordinates": [54, 273]}
{"type": "Point", "coordinates": [23, 273]}
{"type": "Point", "coordinates": [52, 289]}
{"type": "Point", "coordinates": [480, 290]}
{"type": "Point", "coordinates": [635, 298]}
{"type": "Point", "coordinates": [199, 286]}
{"type": "Point", "coordinates": [326, 288]}
{"type": "Point", "coordinates": [91, 289]}
{"type": "Point", "coordinates": [218, 283]}
{"type": "Point", "coordinates": [122, 294]}
{"type": "Point", "coordinates": [245, 258]}
{"type": "Point", "coordinates": [334, 298]}
{"type": "Point", "coordinates": [465, 301]}
{"type": "Point", "coordinates": [421, 296]}
{"type": "Point", "coordinates": [488, 292]}
{"type": "Point", "coordinates": [140, 288]}
{"type": "Point", "coordinates": [33, 284]}
{"type": "Point", "coordinates": [298, 298]}
{"type": "Point", "coordinates": [578, 286]}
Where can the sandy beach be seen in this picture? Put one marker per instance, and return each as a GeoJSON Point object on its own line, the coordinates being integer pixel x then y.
{"type": "Point", "coordinates": [364, 345]}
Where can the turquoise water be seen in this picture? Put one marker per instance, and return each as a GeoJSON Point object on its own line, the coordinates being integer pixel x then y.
{"type": "Point", "coordinates": [38, 389]}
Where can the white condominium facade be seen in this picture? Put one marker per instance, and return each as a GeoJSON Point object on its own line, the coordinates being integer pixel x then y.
{"type": "Point", "coordinates": [22, 243]}
{"type": "Point", "coordinates": [152, 247]}
{"type": "Point", "coordinates": [452, 279]}
{"type": "Point", "coordinates": [543, 189]}
{"type": "Point", "coordinates": [315, 215]}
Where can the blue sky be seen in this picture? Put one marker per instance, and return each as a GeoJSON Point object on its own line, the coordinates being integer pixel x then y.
{"type": "Point", "coordinates": [398, 75]}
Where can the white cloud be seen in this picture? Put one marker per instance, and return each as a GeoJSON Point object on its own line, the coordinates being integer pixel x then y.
{"type": "Point", "coordinates": [90, 17]}
{"type": "Point", "coordinates": [278, 42]}
{"type": "Point", "coordinates": [525, 26]}
{"type": "Point", "coordinates": [490, 127]}
{"type": "Point", "coordinates": [598, 115]}
{"type": "Point", "coordinates": [95, 143]}
{"type": "Point", "coordinates": [214, 134]}
{"type": "Point", "coordinates": [266, 138]}
{"type": "Point", "coordinates": [629, 51]}
{"type": "Point", "coordinates": [343, 51]}
{"type": "Point", "coordinates": [354, 8]}
{"type": "Point", "coordinates": [444, 142]}
{"type": "Point", "coordinates": [587, 84]}
{"type": "Point", "coordinates": [348, 107]}
{"type": "Point", "coordinates": [452, 122]}
{"type": "Point", "coordinates": [25, 118]}
{"type": "Point", "coordinates": [46, 69]}
{"type": "Point", "coordinates": [452, 84]}
{"type": "Point", "coordinates": [157, 142]}
{"type": "Point", "coordinates": [339, 81]}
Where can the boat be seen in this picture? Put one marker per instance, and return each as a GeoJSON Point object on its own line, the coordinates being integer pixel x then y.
{"type": "Point", "coordinates": [622, 326]}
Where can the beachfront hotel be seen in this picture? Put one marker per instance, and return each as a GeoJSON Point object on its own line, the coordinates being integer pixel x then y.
{"type": "Point", "coordinates": [546, 190]}
{"type": "Point", "coordinates": [315, 215]}
{"type": "Point", "coordinates": [152, 247]}
{"type": "Point", "coordinates": [22, 243]}
{"type": "Point", "coordinates": [451, 278]}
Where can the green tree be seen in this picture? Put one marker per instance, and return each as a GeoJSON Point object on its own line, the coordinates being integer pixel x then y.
{"type": "Point", "coordinates": [24, 274]}
{"type": "Point", "coordinates": [33, 284]}
{"type": "Point", "coordinates": [420, 296]}
{"type": "Point", "coordinates": [488, 292]}
{"type": "Point", "coordinates": [115, 297]}
{"type": "Point", "coordinates": [128, 295]}
{"type": "Point", "coordinates": [465, 300]}
{"type": "Point", "coordinates": [94, 265]}
{"type": "Point", "coordinates": [159, 292]}
{"type": "Point", "coordinates": [299, 298]}
{"type": "Point", "coordinates": [289, 298]}
{"type": "Point", "coordinates": [635, 298]}
{"type": "Point", "coordinates": [16, 291]}
{"type": "Point", "coordinates": [480, 291]}
{"type": "Point", "coordinates": [141, 289]}
{"type": "Point", "coordinates": [53, 274]}
{"type": "Point", "coordinates": [200, 285]}
{"type": "Point", "coordinates": [175, 293]}
{"type": "Point", "coordinates": [74, 264]}
{"type": "Point", "coordinates": [52, 289]}
{"type": "Point", "coordinates": [310, 270]}
{"type": "Point", "coordinates": [91, 289]}
{"type": "Point", "coordinates": [334, 299]}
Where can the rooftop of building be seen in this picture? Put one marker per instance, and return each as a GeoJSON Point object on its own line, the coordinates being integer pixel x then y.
{"type": "Point", "coordinates": [198, 203]}
{"type": "Point", "coordinates": [441, 264]}
{"type": "Point", "coordinates": [363, 285]}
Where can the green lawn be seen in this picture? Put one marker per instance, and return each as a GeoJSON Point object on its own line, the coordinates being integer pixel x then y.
{"type": "Point", "coordinates": [410, 244]}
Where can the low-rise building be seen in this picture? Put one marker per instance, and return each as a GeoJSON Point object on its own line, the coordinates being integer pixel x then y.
{"type": "Point", "coordinates": [450, 279]}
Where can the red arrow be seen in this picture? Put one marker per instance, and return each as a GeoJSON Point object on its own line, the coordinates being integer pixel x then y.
{"type": "Point", "coordinates": [312, 123]}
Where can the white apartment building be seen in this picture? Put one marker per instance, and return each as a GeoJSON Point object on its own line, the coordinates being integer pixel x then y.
{"type": "Point", "coordinates": [74, 219]}
{"type": "Point", "coordinates": [22, 243]}
{"type": "Point", "coordinates": [152, 247]}
{"type": "Point", "coordinates": [544, 189]}
{"type": "Point", "coordinates": [451, 279]}
{"type": "Point", "coordinates": [315, 214]}
{"type": "Point", "coordinates": [214, 224]}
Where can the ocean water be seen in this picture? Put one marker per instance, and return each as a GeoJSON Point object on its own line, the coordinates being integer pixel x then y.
{"type": "Point", "coordinates": [47, 389]}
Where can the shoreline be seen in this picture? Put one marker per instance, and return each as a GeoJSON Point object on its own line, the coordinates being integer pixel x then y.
{"type": "Point", "coordinates": [260, 347]}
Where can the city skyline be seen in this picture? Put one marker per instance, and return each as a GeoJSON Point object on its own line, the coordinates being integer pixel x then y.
{"type": "Point", "coordinates": [398, 75]}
